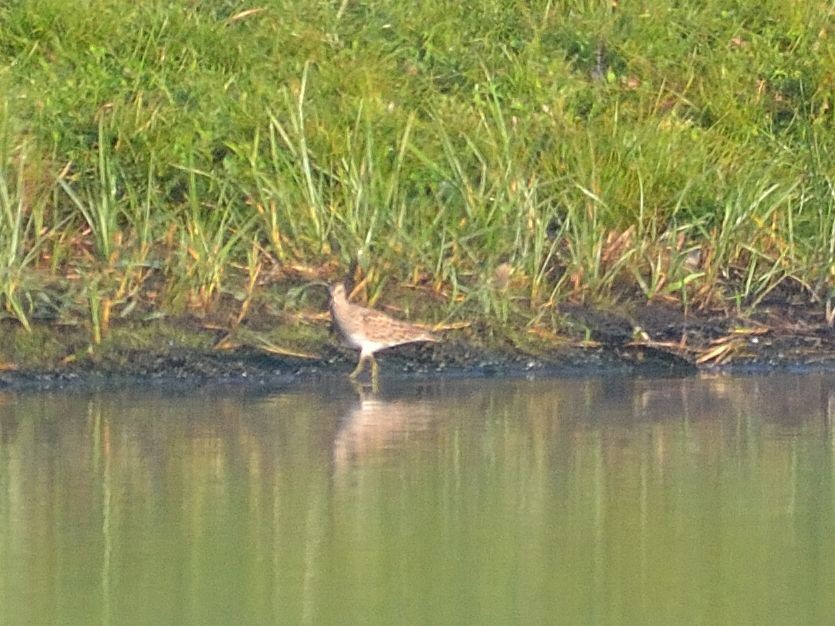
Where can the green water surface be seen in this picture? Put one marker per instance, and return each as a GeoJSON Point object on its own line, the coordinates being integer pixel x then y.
{"type": "Point", "coordinates": [592, 501]}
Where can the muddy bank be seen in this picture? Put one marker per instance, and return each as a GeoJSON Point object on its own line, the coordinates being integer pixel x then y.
{"type": "Point", "coordinates": [651, 340]}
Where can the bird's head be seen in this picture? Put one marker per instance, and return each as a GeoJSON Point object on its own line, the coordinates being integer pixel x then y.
{"type": "Point", "coordinates": [337, 291]}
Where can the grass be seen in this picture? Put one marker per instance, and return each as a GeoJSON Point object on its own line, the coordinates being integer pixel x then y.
{"type": "Point", "coordinates": [505, 157]}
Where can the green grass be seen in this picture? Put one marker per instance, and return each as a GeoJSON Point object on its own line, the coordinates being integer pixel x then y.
{"type": "Point", "coordinates": [161, 157]}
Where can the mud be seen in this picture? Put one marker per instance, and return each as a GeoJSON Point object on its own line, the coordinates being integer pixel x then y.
{"type": "Point", "coordinates": [650, 340]}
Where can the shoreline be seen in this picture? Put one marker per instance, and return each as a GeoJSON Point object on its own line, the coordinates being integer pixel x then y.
{"type": "Point", "coordinates": [191, 353]}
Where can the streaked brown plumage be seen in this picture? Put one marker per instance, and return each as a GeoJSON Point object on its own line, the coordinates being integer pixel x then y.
{"type": "Point", "coordinates": [370, 330]}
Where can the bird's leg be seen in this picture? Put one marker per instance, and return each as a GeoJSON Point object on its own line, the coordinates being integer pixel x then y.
{"type": "Point", "coordinates": [358, 387]}
{"type": "Point", "coordinates": [375, 372]}
{"type": "Point", "coordinates": [358, 369]}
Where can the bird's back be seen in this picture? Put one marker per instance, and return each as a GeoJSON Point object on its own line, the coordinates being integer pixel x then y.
{"type": "Point", "coordinates": [369, 329]}
{"type": "Point", "coordinates": [385, 330]}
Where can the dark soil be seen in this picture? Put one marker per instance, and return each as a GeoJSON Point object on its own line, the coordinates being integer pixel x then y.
{"type": "Point", "coordinates": [651, 340]}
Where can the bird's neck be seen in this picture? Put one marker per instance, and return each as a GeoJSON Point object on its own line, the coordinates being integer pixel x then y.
{"type": "Point", "coordinates": [339, 304]}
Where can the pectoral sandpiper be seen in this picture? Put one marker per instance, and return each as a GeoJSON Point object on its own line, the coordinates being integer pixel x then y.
{"type": "Point", "coordinates": [370, 330]}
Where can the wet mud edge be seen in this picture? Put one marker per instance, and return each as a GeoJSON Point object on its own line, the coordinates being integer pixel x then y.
{"type": "Point", "coordinates": [649, 341]}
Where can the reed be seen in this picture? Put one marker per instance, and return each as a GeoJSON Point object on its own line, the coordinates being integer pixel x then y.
{"type": "Point", "coordinates": [504, 157]}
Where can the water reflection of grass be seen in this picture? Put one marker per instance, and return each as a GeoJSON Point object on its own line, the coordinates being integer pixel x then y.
{"type": "Point", "coordinates": [161, 158]}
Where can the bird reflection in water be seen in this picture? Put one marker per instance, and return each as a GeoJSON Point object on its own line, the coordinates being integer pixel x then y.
{"type": "Point", "coordinates": [376, 428]}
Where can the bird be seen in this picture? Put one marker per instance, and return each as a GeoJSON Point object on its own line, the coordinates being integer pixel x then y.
{"type": "Point", "coordinates": [370, 330]}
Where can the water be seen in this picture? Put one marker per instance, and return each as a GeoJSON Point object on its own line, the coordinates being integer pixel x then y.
{"type": "Point", "coordinates": [595, 501]}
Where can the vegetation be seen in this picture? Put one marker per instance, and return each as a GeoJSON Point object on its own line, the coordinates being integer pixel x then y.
{"type": "Point", "coordinates": [501, 156]}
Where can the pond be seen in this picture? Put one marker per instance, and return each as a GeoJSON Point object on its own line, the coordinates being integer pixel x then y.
{"type": "Point", "coordinates": [584, 501]}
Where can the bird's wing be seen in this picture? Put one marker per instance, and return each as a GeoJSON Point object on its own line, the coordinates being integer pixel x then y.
{"type": "Point", "coordinates": [394, 330]}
